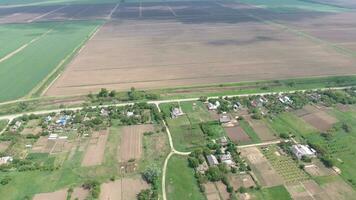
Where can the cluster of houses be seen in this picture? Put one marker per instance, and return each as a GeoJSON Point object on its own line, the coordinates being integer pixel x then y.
{"type": "Point", "coordinates": [285, 99]}
{"type": "Point", "coordinates": [213, 160]}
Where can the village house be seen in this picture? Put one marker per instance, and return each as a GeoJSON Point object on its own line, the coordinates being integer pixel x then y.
{"type": "Point", "coordinates": [213, 106]}
{"type": "Point", "coordinates": [53, 136]}
{"type": "Point", "coordinates": [5, 160]}
{"type": "Point", "coordinates": [285, 100]}
{"type": "Point", "coordinates": [226, 158]}
{"type": "Point", "coordinates": [129, 114]}
{"type": "Point", "coordinates": [16, 126]}
{"type": "Point", "coordinates": [237, 106]}
{"type": "Point", "coordinates": [224, 119]}
{"type": "Point", "coordinates": [223, 141]}
{"type": "Point", "coordinates": [62, 121]}
{"type": "Point", "coordinates": [212, 161]}
{"type": "Point", "coordinates": [176, 112]}
{"type": "Point", "coordinates": [303, 150]}
{"type": "Point", "coordinates": [104, 112]}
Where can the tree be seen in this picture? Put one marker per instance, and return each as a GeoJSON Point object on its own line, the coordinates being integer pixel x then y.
{"type": "Point", "coordinates": [112, 93]}
{"type": "Point", "coordinates": [193, 162]}
{"type": "Point", "coordinates": [214, 174]}
{"type": "Point", "coordinates": [150, 175]}
{"type": "Point", "coordinates": [103, 93]}
{"type": "Point", "coordinates": [144, 195]}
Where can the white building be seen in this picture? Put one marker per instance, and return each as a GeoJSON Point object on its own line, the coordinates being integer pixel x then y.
{"type": "Point", "coordinates": [5, 159]}
{"type": "Point", "coordinates": [176, 112]}
{"type": "Point", "coordinates": [213, 106]}
{"type": "Point", "coordinates": [303, 150]}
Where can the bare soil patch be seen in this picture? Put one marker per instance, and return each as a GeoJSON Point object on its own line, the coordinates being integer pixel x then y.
{"type": "Point", "coordinates": [222, 190]}
{"type": "Point", "coordinates": [339, 190]}
{"type": "Point", "coordinates": [94, 154]}
{"type": "Point", "coordinates": [57, 195]}
{"type": "Point", "coordinates": [264, 171]}
{"type": "Point", "coordinates": [131, 142]}
{"type": "Point", "coordinates": [179, 45]}
{"type": "Point", "coordinates": [34, 131]}
{"type": "Point", "coordinates": [80, 193]}
{"type": "Point", "coordinates": [317, 117]}
{"type": "Point", "coordinates": [237, 134]}
{"type": "Point", "coordinates": [211, 192]}
{"type": "Point", "coordinates": [122, 189]}
{"type": "Point", "coordinates": [4, 145]}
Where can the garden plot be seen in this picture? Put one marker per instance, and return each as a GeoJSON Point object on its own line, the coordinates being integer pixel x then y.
{"type": "Point", "coordinates": [94, 154]}
{"type": "Point", "coordinates": [318, 118]}
{"type": "Point", "coordinates": [122, 189]}
{"type": "Point", "coordinates": [78, 193]}
{"type": "Point", "coordinates": [262, 130]}
{"type": "Point", "coordinates": [57, 195]}
{"type": "Point", "coordinates": [211, 192]}
{"type": "Point", "coordinates": [284, 165]}
{"type": "Point", "coordinates": [241, 180]}
{"type": "Point", "coordinates": [264, 171]}
{"type": "Point", "coordinates": [131, 142]}
{"type": "Point", "coordinates": [237, 135]}
{"type": "Point", "coordinates": [4, 145]}
{"type": "Point", "coordinates": [316, 168]}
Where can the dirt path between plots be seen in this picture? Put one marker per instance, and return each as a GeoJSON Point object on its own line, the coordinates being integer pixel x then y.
{"type": "Point", "coordinates": [8, 56]}
{"type": "Point", "coordinates": [94, 154]}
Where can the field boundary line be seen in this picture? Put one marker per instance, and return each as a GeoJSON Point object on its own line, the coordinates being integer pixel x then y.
{"type": "Point", "coordinates": [113, 11]}
{"type": "Point", "coordinates": [172, 11]}
{"type": "Point", "coordinates": [45, 14]}
{"type": "Point", "coordinates": [8, 56]}
{"type": "Point", "coordinates": [61, 64]}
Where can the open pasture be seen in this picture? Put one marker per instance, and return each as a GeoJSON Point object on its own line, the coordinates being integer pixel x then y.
{"type": "Point", "coordinates": [150, 45]}
{"type": "Point", "coordinates": [180, 181]}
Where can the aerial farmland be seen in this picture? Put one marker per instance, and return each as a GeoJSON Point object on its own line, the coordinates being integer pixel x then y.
{"type": "Point", "coordinates": [177, 99]}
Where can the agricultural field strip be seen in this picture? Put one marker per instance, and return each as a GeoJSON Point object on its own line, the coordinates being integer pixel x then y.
{"type": "Point", "coordinates": [78, 49]}
{"type": "Point", "coordinates": [297, 32]}
{"type": "Point", "coordinates": [45, 14]}
{"type": "Point", "coordinates": [8, 56]}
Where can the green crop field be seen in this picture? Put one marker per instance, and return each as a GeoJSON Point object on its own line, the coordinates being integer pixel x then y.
{"type": "Point", "coordinates": [180, 181]}
{"type": "Point", "coordinates": [272, 193]}
{"type": "Point", "coordinates": [25, 70]}
{"type": "Point", "coordinates": [250, 132]}
{"type": "Point", "coordinates": [289, 123]}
